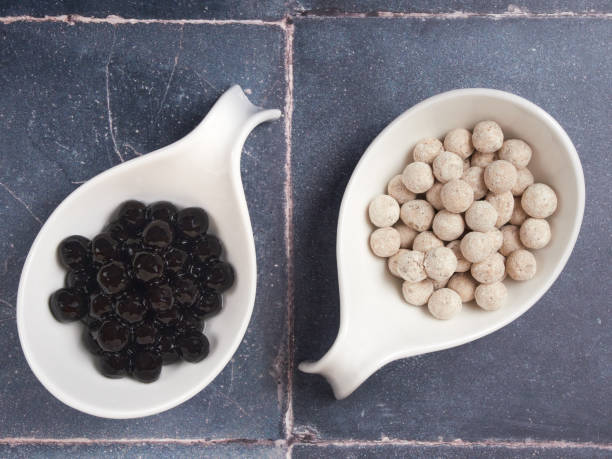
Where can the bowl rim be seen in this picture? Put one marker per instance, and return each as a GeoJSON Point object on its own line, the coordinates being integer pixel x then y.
{"type": "Point", "coordinates": [527, 105]}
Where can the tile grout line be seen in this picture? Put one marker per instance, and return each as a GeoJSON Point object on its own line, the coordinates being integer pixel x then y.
{"type": "Point", "coordinates": [289, 29]}
{"type": "Point", "coordinates": [517, 13]}
{"type": "Point", "coordinates": [21, 441]}
{"type": "Point", "coordinates": [527, 444]}
{"type": "Point", "coordinates": [458, 443]}
{"type": "Point", "coordinates": [72, 19]}
{"type": "Point", "coordinates": [512, 14]}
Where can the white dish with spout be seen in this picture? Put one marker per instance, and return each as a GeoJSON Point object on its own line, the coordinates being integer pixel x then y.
{"type": "Point", "coordinates": [376, 325]}
{"type": "Point", "coordinates": [202, 169]}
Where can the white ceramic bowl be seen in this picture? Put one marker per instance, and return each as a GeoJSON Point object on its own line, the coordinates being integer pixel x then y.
{"type": "Point", "coordinates": [377, 326]}
{"type": "Point", "coordinates": [202, 169]}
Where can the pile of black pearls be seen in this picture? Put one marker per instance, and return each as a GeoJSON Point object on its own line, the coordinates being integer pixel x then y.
{"type": "Point", "coordinates": [143, 288]}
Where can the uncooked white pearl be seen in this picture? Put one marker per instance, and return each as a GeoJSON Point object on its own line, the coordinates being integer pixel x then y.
{"type": "Point", "coordinates": [491, 297]}
{"type": "Point", "coordinates": [417, 214]}
{"type": "Point", "coordinates": [427, 150]}
{"type": "Point", "coordinates": [417, 293]}
{"type": "Point", "coordinates": [448, 226]}
{"type": "Point", "coordinates": [459, 141]}
{"type": "Point", "coordinates": [447, 166]}
{"type": "Point", "coordinates": [440, 263]}
{"type": "Point", "coordinates": [521, 265]}
{"type": "Point", "coordinates": [517, 151]}
{"type": "Point", "coordinates": [384, 211]}
{"type": "Point", "coordinates": [385, 242]}
{"type": "Point", "coordinates": [418, 177]}
{"type": "Point", "coordinates": [444, 304]}
{"type": "Point", "coordinates": [397, 190]}
{"type": "Point", "coordinates": [457, 196]}
{"type": "Point", "coordinates": [539, 200]}
{"type": "Point", "coordinates": [464, 284]}
{"type": "Point", "coordinates": [408, 265]}
{"type": "Point", "coordinates": [500, 176]}
{"type": "Point", "coordinates": [535, 233]}
{"type": "Point", "coordinates": [487, 136]}
{"type": "Point", "coordinates": [481, 216]}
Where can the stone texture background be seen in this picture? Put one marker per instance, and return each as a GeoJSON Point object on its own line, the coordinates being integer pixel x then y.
{"type": "Point", "coordinates": [85, 86]}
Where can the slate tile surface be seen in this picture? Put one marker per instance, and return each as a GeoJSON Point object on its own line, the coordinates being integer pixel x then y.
{"type": "Point", "coordinates": [545, 376]}
{"type": "Point", "coordinates": [77, 99]}
{"type": "Point", "coordinates": [60, 88]}
{"type": "Point", "coordinates": [159, 9]}
{"type": "Point", "coordinates": [441, 452]}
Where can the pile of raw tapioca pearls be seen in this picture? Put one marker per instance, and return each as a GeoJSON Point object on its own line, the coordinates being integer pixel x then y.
{"type": "Point", "coordinates": [463, 215]}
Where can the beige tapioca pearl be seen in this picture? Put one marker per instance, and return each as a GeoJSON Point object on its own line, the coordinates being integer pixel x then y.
{"type": "Point", "coordinates": [491, 297]}
{"type": "Point", "coordinates": [517, 151]}
{"type": "Point", "coordinates": [383, 211]}
{"type": "Point", "coordinates": [408, 265]}
{"type": "Point", "coordinates": [418, 177]}
{"type": "Point", "coordinates": [407, 235]}
{"type": "Point", "coordinates": [524, 178]}
{"type": "Point", "coordinates": [417, 214]}
{"type": "Point", "coordinates": [487, 136]}
{"type": "Point", "coordinates": [397, 190]}
{"type": "Point", "coordinates": [464, 284]}
{"type": "Point", "coordinates": [438, 284]}
{"type": "Point", "coordinates": [491, 269]}
{"type": "Point", "coordinates": [535, 233]}
{"type": "Point", "coordinates": [518, 214]}
{"type": "Point", "coordinates": [500, 176]}
{"type": "Point", "coordinates": [512, 240]}
{"type": "Point", "coordinates": [448, 226]}
{"type": "Point", "coordinates": [444, 304]}
{"type": "Point", "coordinates": [497, 239]}
{"type": "Point", "coordinates": [462, 264]}
{"type": "Point", "coordinates": [459, 141]}
{"type": "Point", "coordinates": [447, 166]}
{"type": "Point", "coordinates": [476, 246]}
{"type": "Point", "coordinates": [474, 176]}
{"type": "Point", "coordinates": [385, 242]}
{"type": "Point", "coordinates": [504, 204]}
{"type": "Point", "coordinates": [433, 196]}
{"type": "Point", "coordinates": [539, 200]}
{"type": "Point", "coordinates": [426, 241]}
{"type": "Point", "coordinates": [481, 216]}
{"type": "Point", "coordinates": [457, 196]}
{"type": "Point", "coordinates": [440, 263]}
{"type": "Point", "coordinates": [427, 150]}
{"type": "Point", "coordinates": [521, 265]}
{"type": "Point", "coordinates": [480, 159]}
{"type": "Point", "coordinates": [417, 293]}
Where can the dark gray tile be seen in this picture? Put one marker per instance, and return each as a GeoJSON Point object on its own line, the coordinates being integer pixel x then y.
{"type": "Point", "coordinates": [158, 9]}
{"type": "Point", "coordinates": [372, 7]}
{"type": "Point", "coordinates": [54, 126]}
{"type": "Point", "coordinates": [170, 450]}
{"type": "Point", "coordinates": [439, 452]}
{"type": "Point", "coordinates": [546, 375]}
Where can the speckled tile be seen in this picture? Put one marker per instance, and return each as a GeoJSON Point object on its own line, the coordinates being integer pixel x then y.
{"type": "Point", "coordinates": [371, 7]}
{"type": "Point", "coordinates": [144, 9]}
{"type": "Point", "coordinates": [443, 452]}
{"type": "Point", "coordinates": [56, 132]}
{"type": "Point", "coordinates": [172, 450]}
{"type": "Point", "coordinates": [545, 376]}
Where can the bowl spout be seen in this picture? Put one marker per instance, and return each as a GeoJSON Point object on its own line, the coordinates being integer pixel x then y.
{"type": "Point", "coordinates": [219, 137]}
{"type": "Point", "coordinates": [355, 355]}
